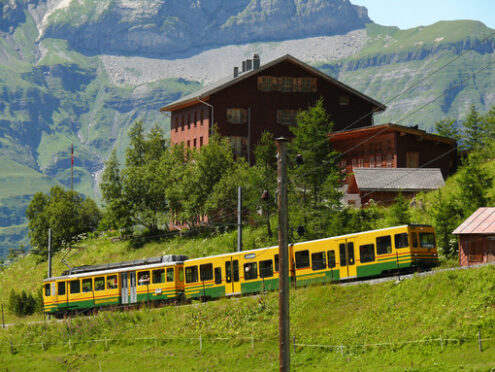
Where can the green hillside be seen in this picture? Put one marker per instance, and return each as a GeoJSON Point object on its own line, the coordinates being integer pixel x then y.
{"type": "Point", "coordinates": [423, 323]}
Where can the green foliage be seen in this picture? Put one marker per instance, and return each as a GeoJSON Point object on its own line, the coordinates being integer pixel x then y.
{"type": "Point", "coordinates": [447, 128]}
{"type": "Point", "coordinates": [22, 304]}
{"type": "Point", "coordinates": [398, 213]}
{"type": "Point", "coordinates": [447, 215]}
{"type": "Point", "coordinates": [474, 130]}
{"type": "Point", "coordinates": [65, 212]}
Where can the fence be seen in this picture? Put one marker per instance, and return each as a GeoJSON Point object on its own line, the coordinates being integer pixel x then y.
{"type": "Point", "coordinates": [70, 344]}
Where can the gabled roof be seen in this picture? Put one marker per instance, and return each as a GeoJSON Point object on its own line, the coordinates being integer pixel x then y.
{"type": "Point", "coordinates": [398, 179]}
{"type": "Point", "coordinates": [480, 222]}
{"type": "Point", "coordinates": [350, 134]}
{"type": "Point", "coordinates": [204, 93]}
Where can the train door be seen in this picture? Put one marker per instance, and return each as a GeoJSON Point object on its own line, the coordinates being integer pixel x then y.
{"type": "Point", "coordinates": [124, 291]}
{"type": "Point", "coordinates": [347, 259]}
{"type": "Point", "coordinates": [232, 279]}
{"type": "Point", "coordinates": [133, 290]}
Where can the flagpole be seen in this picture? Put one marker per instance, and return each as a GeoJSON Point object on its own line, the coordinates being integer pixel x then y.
{"type": "Point", "coordinates": [72, 168]}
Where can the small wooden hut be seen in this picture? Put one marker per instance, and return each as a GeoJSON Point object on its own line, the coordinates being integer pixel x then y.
{"type": "Point", "coordinates": [477, 238]}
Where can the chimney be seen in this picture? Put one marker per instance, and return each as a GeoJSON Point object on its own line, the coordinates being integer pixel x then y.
{"type": "Point", "coordinates": [236, 72]}
{"type": "Point", "coordinates": [256, 62]}
{"type": "Point", "coordinates": [243, 66]}
{"type": "Point", "coordinates": [249, 64]}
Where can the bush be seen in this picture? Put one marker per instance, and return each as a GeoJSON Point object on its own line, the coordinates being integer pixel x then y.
{"type": "Point", "coordinates": [23, 304]}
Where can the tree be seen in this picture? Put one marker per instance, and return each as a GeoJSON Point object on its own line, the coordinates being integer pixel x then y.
{"type": "Point", "coordinates": [446, 215]}
{"type": "Point", "coordinates": [67, 213]}
{"type": "Point", "coordinates": [399, 212]}
{"type": "Point", "coordinates": [447, 128]}
{"type": "Point", "coordinates": [474, 132]}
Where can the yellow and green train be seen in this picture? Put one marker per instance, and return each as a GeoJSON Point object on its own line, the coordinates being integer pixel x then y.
{"type": "Point", "coordinates": [173, 278]}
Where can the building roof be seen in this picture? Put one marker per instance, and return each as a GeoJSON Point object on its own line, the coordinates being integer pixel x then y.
{"type": "Point", "coordinates": [398, 179]}
{"type": "Point", "coordinates": [204, 93]}
{"type": "Point", "coordinates": [480, 222]}
{"type": "Point", "coordinates": [366, 132]}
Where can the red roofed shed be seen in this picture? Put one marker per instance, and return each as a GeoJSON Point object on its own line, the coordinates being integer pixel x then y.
{"type": "Point", "coordinates": [477, 238]}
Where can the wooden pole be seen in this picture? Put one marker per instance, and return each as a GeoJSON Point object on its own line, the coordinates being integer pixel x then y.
{"type": "Point", "coordinates": [283, 288]}
{"type": "Point", "coordinates": [239, 219]}
{"type": "Point", "coordinates": [3, 320]}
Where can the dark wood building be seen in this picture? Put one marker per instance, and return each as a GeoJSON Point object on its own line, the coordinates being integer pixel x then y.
{"type": "Point", "coordinates": [265, 98]}
{"type": "Point", "coordinates": [388, 146]}
{"type": "Point", "coordinates": [477, 238]}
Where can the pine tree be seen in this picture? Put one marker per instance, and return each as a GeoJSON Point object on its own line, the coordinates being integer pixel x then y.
{"type": "Point", "coordinates": [399, 212]}
{"type": "Point", "coordinates": [474, 132]}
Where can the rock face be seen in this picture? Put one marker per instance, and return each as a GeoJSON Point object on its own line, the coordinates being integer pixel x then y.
{"type": "Point", "coordinates": [179, 27]}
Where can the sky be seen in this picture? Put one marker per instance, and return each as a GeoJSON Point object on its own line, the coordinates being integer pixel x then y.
{"type": "Point", "coordinates": [413, 13]}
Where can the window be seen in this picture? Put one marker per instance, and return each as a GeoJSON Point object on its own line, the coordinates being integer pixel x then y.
{"type": "Point", "coordinates": [201, 141]}
{"type": "Point", "coordinates": [344, 100]}
{"type": "Point", "coordinates": [350, 253]}
{"type": "Point", "coordinates": [287, 117]}
{"type": "Point", "coordinates": [176, 124]}
{"type": "Point", "coordinates": [427, 240]}
{"type": "Point", "coordinates": [250, 271]}
{"type": "Point", "coordinates": [360, 162]}
{"type": "Point", "coordinates": [331, 259]}
{"type": "Point", "coordinates": [194, 143]}
{"type": "Point", "coordinates": [287, 84]}
{"type": "Point", "coordinates": [307, 85]}
{"type": "Point", "coordinates": [188, 121]}
{"type": "Point", "coordinates": [61, 288]}
{"type": "Point", "coordinates": [100, 283]}
{"type": "Point", "coordinates": [383, 245]}
{"type": "Point", "coordinates": [318, 261]}
{"type": "Point", "coordinates": [414, 238]}
{"type": "Point", "coordinates": [236, 116]}
{"type": "Point", "coordinates": [143, 277]}
{"type": "Point", "coordinates": [228, 272]}
{"type": "Point", "coordinates": [390, 160]}
{"type": "Point", "coordinates": [195, 119]}
{"type": "Point", "coordinates": [239, 145]}
{"type": "Point", "coordinates": [218, 275]}
{"type": "Point", "coordinates": [75, 286]}
{"type": "Point", "coordinates": [47, 290]}
{"type": "Point", "coordinates": [343, 261]}
{"type": "Point", "coordinates": [201, 117]}
{"type": "Point", "coordinates": [277, 264]}
{"type": "Point", "coordinates": [266, 269]}
{"type": "Point", "coordinates": [265, 83]}
{"type": "Point", "coordinates": [372, 161]}
{"type": "Point", "coordinates": [236, 270]}
{"type": "Point", "coordinates": [159, 276]}
{"type": "Point", "coordinates": [182, 122]}
{"type": "Point", "coordinates": [87, 285]}
{"type": "Point", "coordinates": [367, 253]}
{"type": "Point", "coordinates": [188, 143]}
{"type": "Point", "coordinates": [378, 160]}
{"type": "Point", "coordinates": [206, 272]}
{"type": "Point", "coordinates": [191, 274]}
{"type": "Point", "coordinates": [112, 282]}
{"type": "Point", "coordinates": [170, 274]}
{"type": "Point", "coordinates": [412, 160]}
{"type": "Point", "coordinates": [401, 240]}
{"type": "Point", "coordinates": [302, 259]}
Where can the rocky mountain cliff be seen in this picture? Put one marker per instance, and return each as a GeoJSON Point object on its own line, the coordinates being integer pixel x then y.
{"type": "Point", "coordinates": [82, 71]}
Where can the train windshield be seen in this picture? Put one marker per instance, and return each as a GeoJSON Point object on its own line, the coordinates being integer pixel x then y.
{"type": "Point", "coordinates": [427, 240]}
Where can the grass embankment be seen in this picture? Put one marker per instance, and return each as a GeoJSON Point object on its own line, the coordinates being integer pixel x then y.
{"type": "Point", "coordinates": [241, 333]}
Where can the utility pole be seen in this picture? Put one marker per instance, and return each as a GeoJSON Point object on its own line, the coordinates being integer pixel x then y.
{"type": "Point", "coordinates": [72, 168]}
{"type": "Point", "coordinates": [283, 287]}
{"type": "Point", "coordinates": [49, 253]}
{"type": "Point", "coordinates": [3, 320]}
{"type": "Point", "coordinates": [239, 219]}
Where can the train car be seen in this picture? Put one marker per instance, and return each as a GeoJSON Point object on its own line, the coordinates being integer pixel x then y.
{"type": "Point", "coordinates": [347, 257]}
{"type": "Point", "coordinates": [119, 284]}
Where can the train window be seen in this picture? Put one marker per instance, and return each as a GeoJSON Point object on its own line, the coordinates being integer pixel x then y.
{"type": "Point", "coordinates": [47, 290]}
{"type": "Point", "coordinates": [61, 288]}
{"type": "Point", "coordinates": [112, 282]}
{"type": "Point", "coordinates": [318, 261]}
{"type": "Point", "coordinates": [191, 274]}
{"type": "Point", "coordinates": [159, 276]}
{"type": "Point", "coordinates": [276, 263]}
{"type": "Point", "coordinates": [144, 277]}
{"type": "Point", "coordinates": [383, 244]}
{"type": "Point", "coordinates": [250, 271]}
{"type": "Point", "coordinates": [350, 253]}
{"type": "Point", "coordinates": [414, 238]}
{"type": "Point", "coordinates": [170, 274]}
{"type": "Point", "coordinates": [228, 272]}
{"type": "Point", "coordinates": [206, 272]}
{"type": "Point", "coordinates": [218, 275]}
{"type": "Point", "coordinates": [343, 261]}
{"type": "Point", "coordinates": [100, 283]}
{"type": "Point", "coordinates": [331, 259]}
{"type": "Point", "coordinates": [427, 240]}
{"type": "Point", "coordinates": [367, 253]}
{"type": "Point", "coordinates": [401, 240]}
{"type": "Point", "coordinates": [87, 285]}
{"type": "Point", "coordinates": [75, 286]}
{"type": "Point", "coordinates": [236, 270]}
{"type": "Point", "coordinates": [302, 259]}
{"type": "Point", "coordinates": [266, 269]}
